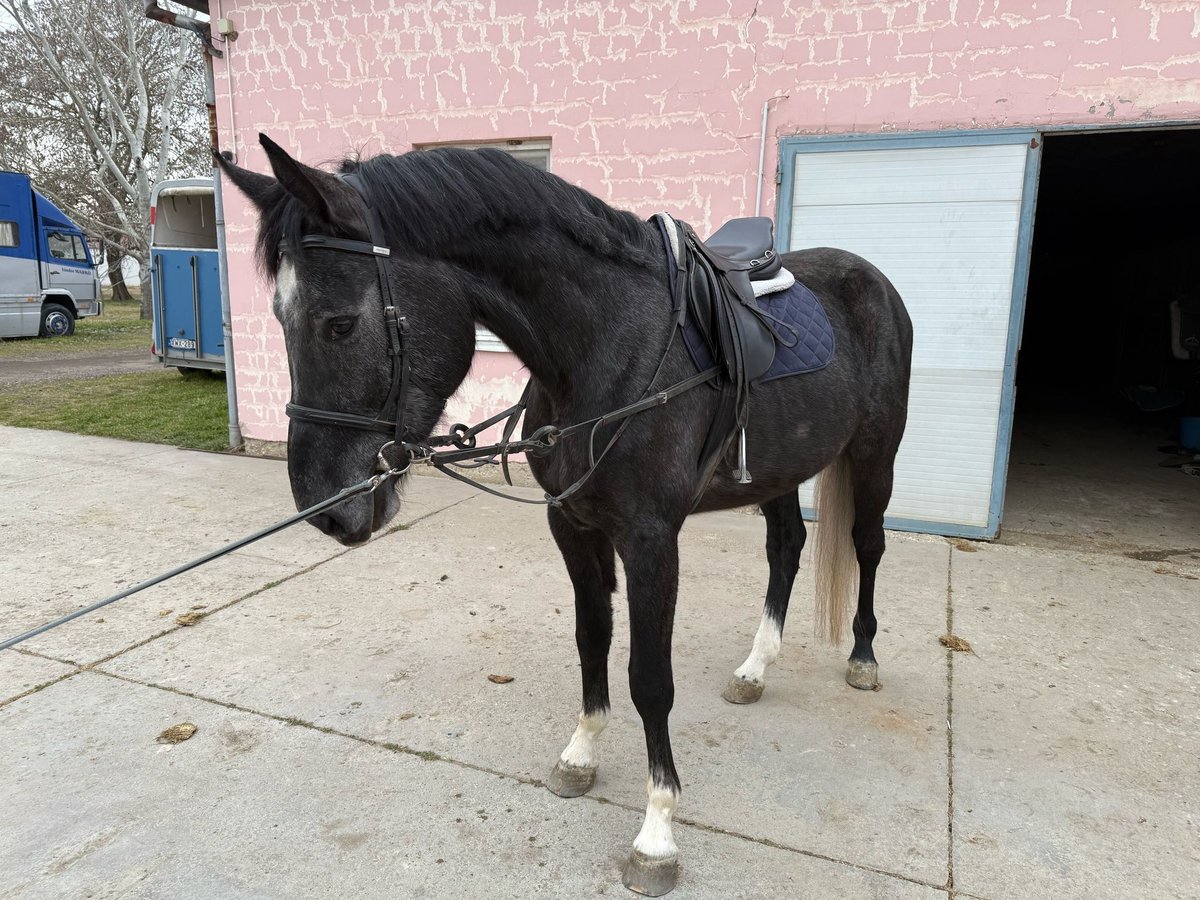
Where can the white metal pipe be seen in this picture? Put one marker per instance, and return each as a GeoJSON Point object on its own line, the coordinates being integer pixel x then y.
{"type": "Point", "coordinates": [762, 152]}
{"type": "Point", "coordinates": [233, 150]}
{"type": "Point", "coordinates": [210, 98]}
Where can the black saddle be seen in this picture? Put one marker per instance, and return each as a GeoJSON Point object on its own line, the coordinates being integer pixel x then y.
{"type": "Point", "coordinates": [712, 287]}
{"type": "Point", "coordinates": [750, 240]}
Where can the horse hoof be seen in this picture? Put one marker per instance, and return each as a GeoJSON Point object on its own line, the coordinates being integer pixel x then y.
{"type": "Point", "coordinates": [571, 781]}
{"type": "Point", "coordinates": [863, 675]}
{"type": "Point", "coordinates": [651, 877]}
{"type": "Point", "coordinates": [739, 690]}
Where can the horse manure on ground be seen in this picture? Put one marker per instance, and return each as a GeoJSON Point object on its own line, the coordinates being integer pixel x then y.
{"type": "Point", "coordinates": [955, 643]}
{"type": "Point", "coordinates": [189, 618]}
{"type": "Point", "coordinates": [500, 679]}
{"type": "Point", "coordinates": [177, 733]}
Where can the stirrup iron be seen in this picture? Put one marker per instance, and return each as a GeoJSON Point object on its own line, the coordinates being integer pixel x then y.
{"type": "Point", "coordinates": [741, 473]}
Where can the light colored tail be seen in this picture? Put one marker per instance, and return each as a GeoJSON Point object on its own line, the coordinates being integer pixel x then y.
{"type": "Point", "coordinates": [836, 561]}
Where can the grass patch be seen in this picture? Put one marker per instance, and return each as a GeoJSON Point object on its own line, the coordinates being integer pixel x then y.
{"type": "Point", "coordinates": [118, 329]}
{"type": "Point", "coordinates": [159, 407]}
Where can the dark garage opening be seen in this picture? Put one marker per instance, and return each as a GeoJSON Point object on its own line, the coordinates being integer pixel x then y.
{"type": "Point", "coordinates": [1096, 454]}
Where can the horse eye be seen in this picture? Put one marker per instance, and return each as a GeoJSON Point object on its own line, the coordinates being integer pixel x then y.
{"type": "Point", "coordinates": [340, 327]}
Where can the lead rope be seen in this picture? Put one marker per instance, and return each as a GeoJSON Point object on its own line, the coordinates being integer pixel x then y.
{"type": "Point", "coordinates": [366, 486]}
{"type": "Point", "coordinates": [460, 436]}
{"type": "Point", "coordinates": [543, 439]}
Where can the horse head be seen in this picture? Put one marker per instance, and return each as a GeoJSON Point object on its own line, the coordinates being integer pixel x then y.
{"type": "Point", "coordinates": [345, 293]}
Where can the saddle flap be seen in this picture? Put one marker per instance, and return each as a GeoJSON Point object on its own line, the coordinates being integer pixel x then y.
{"type": "Point", "coordinates": [721, 308]}
{"type": "Point", "coordinates": [748, 240]}
{"type": "Point", "coordinates": [756, 337]}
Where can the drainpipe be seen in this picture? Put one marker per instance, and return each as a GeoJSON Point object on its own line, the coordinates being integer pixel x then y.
{"type": "Point", "coordinates": [762, 152]}
{"type": "Point", "coordinates": [202, 29]}
{"type": "Point", "coordinates": [210, 100]}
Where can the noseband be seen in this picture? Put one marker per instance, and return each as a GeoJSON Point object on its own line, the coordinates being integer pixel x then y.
{"type": "Point", "coordinates": [390, 419]}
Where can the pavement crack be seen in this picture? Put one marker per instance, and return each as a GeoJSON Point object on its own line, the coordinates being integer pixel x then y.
{"type": "Point", "coordinates": [46, 656]}
{"type": "Point", "coordinates": [767, 842]}
{"type": "Point", "coordinates": [40, 687]}
{"type": "Point", "coordinates": [432, 756]}
{"type": "Point", "coordinates": [258, 590]}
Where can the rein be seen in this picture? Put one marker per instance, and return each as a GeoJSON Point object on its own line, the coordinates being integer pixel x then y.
{"type": "Point", "coordinates": [390, 419]}
{"type": "Point", "coordinates": [466, 454]}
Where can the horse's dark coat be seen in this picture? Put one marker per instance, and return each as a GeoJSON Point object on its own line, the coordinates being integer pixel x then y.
{"type": "Point", "coordinates": [579, 291]}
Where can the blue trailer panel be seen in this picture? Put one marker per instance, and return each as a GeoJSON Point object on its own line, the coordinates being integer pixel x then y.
{"type": "Point", "coordinates": [187, 308]}
{"type": "Point", "coordinates": [185, 280]}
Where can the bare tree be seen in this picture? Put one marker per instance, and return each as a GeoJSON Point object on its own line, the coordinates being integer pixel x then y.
{"type": "Point", "coordinates": [98, 104]}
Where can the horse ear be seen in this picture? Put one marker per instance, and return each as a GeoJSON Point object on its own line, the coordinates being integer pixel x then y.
{"type": "Point", "coordinates": [261, 190]}
{"type": "Point", "coordinates": [308, 185]}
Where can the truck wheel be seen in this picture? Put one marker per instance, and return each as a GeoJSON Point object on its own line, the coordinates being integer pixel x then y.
{"type": "Point", "coordinates": [57, 321]}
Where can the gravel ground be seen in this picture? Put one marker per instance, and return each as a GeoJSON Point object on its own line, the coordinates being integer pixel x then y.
{"type": "Point", "coordinates": [14, 372]}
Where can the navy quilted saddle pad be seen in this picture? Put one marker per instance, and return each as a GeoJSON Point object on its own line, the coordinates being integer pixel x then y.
{"type": "Point", "coordinates": [804, 339]}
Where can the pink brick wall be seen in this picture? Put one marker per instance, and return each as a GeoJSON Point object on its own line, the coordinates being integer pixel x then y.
{"type": "Point", "coordinates": [658, 105]}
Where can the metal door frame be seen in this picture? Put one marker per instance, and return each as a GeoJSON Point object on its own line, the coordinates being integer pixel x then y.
{"type": "Point", "coordinates": [1031, 137]}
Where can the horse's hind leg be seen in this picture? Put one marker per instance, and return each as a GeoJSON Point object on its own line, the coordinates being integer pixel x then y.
{"type": "Point", "coordinates": [785, 540]}
{"type": "Point", "coordinates": [592, 567]}
{"type": "Point", "coordinates": [872, 491]}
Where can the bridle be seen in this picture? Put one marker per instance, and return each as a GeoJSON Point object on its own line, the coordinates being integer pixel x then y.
{"type": "Point", "coordinates": [390, 418]}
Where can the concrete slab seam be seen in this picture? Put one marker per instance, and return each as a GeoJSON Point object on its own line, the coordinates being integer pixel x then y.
{"type": "Point", "coordinates": [950, 723]}
{"type": "Point", "coordinates": [58, 473]}
{"type": "Point", "coordinates": [39, 655]}
{"type": "Point", "coordinates": [265, 587]}
{"type": "Point", "coordinates": [39, 687]}
{"type": "Point", "coordinates": [431, 756]}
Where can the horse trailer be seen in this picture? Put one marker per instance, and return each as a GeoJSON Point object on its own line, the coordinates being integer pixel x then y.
{"type": "Point", "coordinates": [184, 276]}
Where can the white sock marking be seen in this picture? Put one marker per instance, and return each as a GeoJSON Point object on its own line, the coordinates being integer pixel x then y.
{"type": "Point", "coordinates": [764, 652]}
{"type": "Point", "coordinates": [655, 840]}
{"type": "Point", "coordinates": [581, 752]}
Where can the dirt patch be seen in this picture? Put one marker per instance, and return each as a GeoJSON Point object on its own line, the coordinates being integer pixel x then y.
{"type": "Point", "coordinates": [1160, 555]}
{"type": "Point", "coordinates": [14, 372]}
{"type": "Point", "coordinates": [964, 546]}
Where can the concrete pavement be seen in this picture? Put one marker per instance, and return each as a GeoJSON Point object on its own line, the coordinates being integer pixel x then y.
{"type": "Point", "coordinates": [351, 744]}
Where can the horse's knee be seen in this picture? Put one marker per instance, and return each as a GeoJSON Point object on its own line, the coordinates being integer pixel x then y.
{"type": "Point", "coordinates": [652, 697]}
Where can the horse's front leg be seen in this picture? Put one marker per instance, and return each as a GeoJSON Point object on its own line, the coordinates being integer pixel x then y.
{"type": "Point", "coordinates": [592, 567]}
{"type": "Point", "coordinates": [651, 558]}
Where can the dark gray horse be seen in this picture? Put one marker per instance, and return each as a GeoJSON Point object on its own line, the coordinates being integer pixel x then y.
{"type": "Point", "coordinates": [579, 291]}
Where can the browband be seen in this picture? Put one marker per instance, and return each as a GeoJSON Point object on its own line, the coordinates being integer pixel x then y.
{"type": "Point", "coordinates": [397, 331]}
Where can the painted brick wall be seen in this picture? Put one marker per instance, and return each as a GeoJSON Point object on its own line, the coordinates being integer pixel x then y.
{"type": "Point", "coordinates": [658, 105]}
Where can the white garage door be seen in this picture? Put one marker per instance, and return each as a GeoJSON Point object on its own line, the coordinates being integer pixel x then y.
{"type": "Point", "coordinates": [943, 223]}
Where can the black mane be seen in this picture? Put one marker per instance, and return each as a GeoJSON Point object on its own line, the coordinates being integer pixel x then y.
{"type": "Point", "coordinates": [429, 200]}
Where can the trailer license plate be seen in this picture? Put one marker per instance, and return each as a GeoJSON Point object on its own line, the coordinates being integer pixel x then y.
{"type": "Point", "coordinates": [181, 344]}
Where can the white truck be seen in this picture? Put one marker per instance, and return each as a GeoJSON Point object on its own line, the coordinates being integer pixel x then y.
{"type": "Point", "coordinates": [47, 277]}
